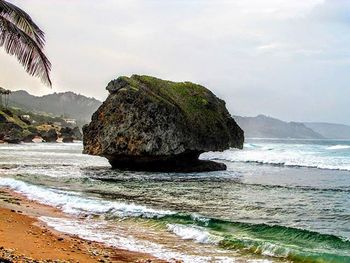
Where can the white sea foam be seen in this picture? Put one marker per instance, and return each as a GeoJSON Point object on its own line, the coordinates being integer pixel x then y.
{"type": "Point", "coordinates": [96, 231]}
{"type": "Point", "coordinates": [338, 147]}
{"type": "Point", "coordinates": [201, 235]}
{"type": "Point", "coordinates": [196, 233]}
{"type": "Point", "coordinates": [249, 145]}
{"type": "Point", "coordinates": [199, 218]}
{"type": "Point", "coordinates": [48, 154]}
{"type": "Point", "coordinates": [269, 249]}
{"type": "Point", "coordinates": [55, 171]}
{"type": "Point", "coordinates": [73, 203]}
{"type": "Point", "coordinates": [100, 231]}
{"type": "Point", "coordinates": [301, 155]}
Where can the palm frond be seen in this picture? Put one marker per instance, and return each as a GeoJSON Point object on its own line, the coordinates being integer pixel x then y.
{"type": "Point", "coordinates": [29, 53]}
{"type": "Point", "coordinates": [22, 20]}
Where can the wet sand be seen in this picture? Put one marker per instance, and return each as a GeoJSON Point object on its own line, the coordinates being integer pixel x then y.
{"type": "Point", "coordinates": [23, 238]}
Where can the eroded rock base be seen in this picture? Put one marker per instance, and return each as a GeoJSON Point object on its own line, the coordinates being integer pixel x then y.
{"type": "Point", "coordinates": [179, 165]}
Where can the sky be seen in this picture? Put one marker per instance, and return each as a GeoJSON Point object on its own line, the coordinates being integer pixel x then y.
{"type": "Point", "coordinates": [283, 58]}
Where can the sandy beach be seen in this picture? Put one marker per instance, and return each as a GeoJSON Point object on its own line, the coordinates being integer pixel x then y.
{"type": "Point", "coordinates": [23, 238]}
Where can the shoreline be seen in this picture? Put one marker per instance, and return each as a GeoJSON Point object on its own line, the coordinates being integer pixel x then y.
{"type": "Point", "coordinates": [24, 238]}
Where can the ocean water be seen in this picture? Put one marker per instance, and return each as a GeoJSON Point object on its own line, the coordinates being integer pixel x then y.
{"type": "Point", "coordinates": [278, 201]}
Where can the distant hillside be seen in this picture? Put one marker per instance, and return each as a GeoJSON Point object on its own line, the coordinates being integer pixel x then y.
{"type": "Point", "coordinates": [262, 126]}
{"type": "Point", "coordinates": [81, 108]}
{"type": "Point", "coordinates": [19, 126]}
{"type": "Point", "coordinates": [67, 104]}
{"type": "Point", "coordinates": [330, 130]}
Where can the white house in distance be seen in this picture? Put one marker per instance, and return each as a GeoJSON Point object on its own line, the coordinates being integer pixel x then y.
{"type": "Point", "coordinates": [25, 116]}
{"type": "Point", "coordinates": [71, 121]}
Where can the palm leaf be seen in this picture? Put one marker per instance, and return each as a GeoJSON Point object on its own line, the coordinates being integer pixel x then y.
{"type": "Point", "coordinates": [29, 53]}
{"type": "Point", "coordinates": [22, 20]}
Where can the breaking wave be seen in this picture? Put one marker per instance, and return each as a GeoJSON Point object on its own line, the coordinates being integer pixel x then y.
{"type": "Point", "coordinates": [262, 239]}
{"type": "Point", "coordinates": [335, 157]}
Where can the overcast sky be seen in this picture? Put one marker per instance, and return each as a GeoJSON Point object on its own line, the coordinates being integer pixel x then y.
{"type": "Point", "coordinates": [288, 59]}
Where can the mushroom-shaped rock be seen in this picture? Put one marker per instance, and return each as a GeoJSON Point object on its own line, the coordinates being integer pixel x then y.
{"type": "Point", "coordinates": [156, 125]}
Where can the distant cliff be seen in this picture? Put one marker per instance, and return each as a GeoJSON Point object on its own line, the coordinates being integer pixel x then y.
{"type": "Point", "coordinates": [66, 104]}
{"type": "Point", "coordinates": [263, 126]}
{"type": "Point", "coordinates": [330, 130]}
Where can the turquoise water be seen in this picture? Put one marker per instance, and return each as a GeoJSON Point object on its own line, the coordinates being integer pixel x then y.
{"type": "Point", "coordinates": [279, 201]}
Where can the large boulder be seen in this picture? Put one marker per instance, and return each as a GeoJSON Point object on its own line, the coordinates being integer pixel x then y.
{"type": "Point", "coordinates": [11, 132]}
{"type": "Point", "coordinates": [77, 134]}
{"type": "Point", "coordinates": [13, 136]}
{"type": "Point", "coordinates": [29, 138]}
{"type": "Point", "coordinates": [70, 134]}
{"type": "Point", "coordinates": [50, 136]}
{"type": "Point", "coordinates": [67, 134]}
{"type": "Point", "coordinates": [156, 125]}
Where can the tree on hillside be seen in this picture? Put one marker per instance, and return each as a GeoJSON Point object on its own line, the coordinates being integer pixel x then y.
{"type": "Point", "coordinates": [6, 94]}
{"type": "Point", "coordinates": [21, 37]}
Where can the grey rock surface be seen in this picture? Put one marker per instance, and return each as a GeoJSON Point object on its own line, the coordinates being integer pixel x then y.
{"type": "Point", "coordinates": [152, 124]}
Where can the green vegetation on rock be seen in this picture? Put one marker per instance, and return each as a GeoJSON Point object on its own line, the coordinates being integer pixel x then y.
{"type": "Point", "coordinates": [195, 101]}
{"type": "Point", "coordinates": [12, 117]}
